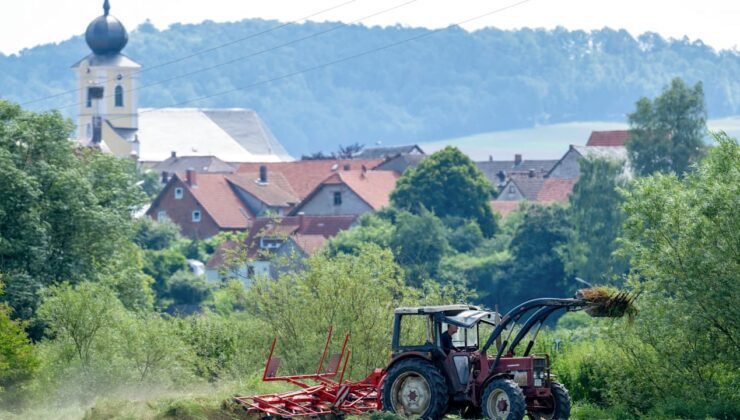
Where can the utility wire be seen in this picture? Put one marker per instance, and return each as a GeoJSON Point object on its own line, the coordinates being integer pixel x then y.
{"type": "Point", "coordinates": [207, 50]}
{"type": "Point", "coordinates": [254, 54]}
{"type": "Point", "coordinates": [338, 61]}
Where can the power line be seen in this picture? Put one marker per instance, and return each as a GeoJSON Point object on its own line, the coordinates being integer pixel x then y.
{"type": "Point", "coordinates": [276, 47]}
{"type": "Point", "coordinates": [207, 50]}
{"type": "Point", "coordinates": [340, 60]}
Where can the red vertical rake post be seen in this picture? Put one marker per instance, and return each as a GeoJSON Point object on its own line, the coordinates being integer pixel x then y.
{"type": "Point", "coordinates": [318, 394]}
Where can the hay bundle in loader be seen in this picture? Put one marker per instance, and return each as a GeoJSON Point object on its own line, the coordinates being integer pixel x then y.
{"type": "Point", "coordinates": [608, 302]}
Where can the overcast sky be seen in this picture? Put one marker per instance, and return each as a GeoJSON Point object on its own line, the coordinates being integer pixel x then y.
{"type": "Point", "coordinates": [26, 23]}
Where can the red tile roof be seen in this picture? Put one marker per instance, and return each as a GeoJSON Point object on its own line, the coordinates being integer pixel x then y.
{"type": "Point", "coordinates": [374, 187]}
{"type": "Point", "coordinates": [305, 175]}
{"type": "Point", "coordinates": [308, 232]}
{"type": "Point", "coordinates": [556, 190]}
{"type": "Point", "coordinates": [217, 197]}
{"type": "Point", "coordinates": [608, 138]}
{"type": "Point", "coordinates": [504, 207]}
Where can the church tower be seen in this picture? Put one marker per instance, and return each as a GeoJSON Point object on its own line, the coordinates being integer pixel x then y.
{"type": "Point", "coordinates": [107, 81]}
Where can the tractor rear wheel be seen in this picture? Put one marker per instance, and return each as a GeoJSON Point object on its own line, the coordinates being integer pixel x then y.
{"type": "Point", "coordinates": [560, 404]}
{"type": "Point", "coordinates": [503, 400]}
{"type": "Point", "coordinates": [414, 388]}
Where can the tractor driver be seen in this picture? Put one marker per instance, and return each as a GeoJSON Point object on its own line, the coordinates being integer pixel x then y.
{"type": "Point", "coordinates": [447, 338]}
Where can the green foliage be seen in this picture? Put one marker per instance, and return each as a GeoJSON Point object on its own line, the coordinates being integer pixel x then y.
{"type": "Point", "coordinates": [683, 238]}
{"type": "Point", "coordinates": [535, 269]}
{"type": "Point", "coordinates": [161, 265]}
{"type": "Point", "coordinates": [65, 213]}
{"type": "Point", "coordinates": [419, 242]}
{"type": "Point", "coordinates": [372, 228]}
{"type": "Point", "coordinates": [78, 314]}
{"type": "Point", "coordinates": [186, 288]}
{"type": "Point", "coordinates": [464, 235]}
{"type": "Point", "coordinates": [156, 235]}
{"type": "Point", "coordinates": [666, 134]}
{"type": "Point", "coordinates": [448, 184]}
{"type": "Point", "coordinates": [596, 215]}
{"type": "Point", "coordinates": [443, 86]}
{"type": "Point", "coordinates": [18, 362]}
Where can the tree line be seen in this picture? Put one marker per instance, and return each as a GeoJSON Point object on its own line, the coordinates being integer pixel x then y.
{"type": "Point", "coordinates": [450, 84]}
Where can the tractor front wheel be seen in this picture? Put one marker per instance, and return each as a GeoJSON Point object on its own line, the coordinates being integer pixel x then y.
{"type": "Point", "coordinates": [414, 388]}
{"type": "Point", "coordinates": [560, 401]}
{"type": "Point", "coordinates": [503, 400]}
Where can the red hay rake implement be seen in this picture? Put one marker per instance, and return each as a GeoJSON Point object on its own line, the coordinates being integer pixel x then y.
{"type": "Point", "coordinates": [319, 395]}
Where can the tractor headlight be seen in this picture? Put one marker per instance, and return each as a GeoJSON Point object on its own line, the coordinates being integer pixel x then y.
{"type": "Point", "coordinates": [538, 383]}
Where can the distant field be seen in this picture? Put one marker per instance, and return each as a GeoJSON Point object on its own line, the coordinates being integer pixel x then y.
{"type": "Point", "coordinates": [547, 141]}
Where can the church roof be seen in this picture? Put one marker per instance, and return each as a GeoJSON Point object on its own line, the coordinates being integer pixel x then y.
{"type": "Point", "coordinates": [230, 134]}
{"type": "Point", "coordinates": [113, 60]}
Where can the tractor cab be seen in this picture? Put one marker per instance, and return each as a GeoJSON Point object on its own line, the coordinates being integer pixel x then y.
{"type": "Point", "coordinates": [419, 329]}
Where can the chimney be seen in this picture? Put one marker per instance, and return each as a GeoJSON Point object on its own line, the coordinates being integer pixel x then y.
{"type": "Point", "coordinates": [347, 167]}
{"type": "Point", "coordinates": [490, 158]}
{"type": "Point", "coordinates": [192, 177]}
{"type": "Point", "coordinates": [173, 154]}
{"type": "Point", "coordinates": [531, 173]}
{"type": "Point", "coordinates": [165, 177]}
{"type": "Point", "coordinates": [517, 159]}
{"type": "Point", "coordinates": [364, 171]}
{"type": "Point", "coordinates": [263, 174]}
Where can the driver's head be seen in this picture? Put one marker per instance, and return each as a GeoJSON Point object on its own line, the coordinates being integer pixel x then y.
{"type": "Point", "coordinates": [451, 329]}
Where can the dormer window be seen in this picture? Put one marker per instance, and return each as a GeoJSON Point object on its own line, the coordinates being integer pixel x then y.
{"type": "Point", "coordinates": [337, 198]}
{"type": "Point", "coordinates": [511, 189]}
{"type": "Point", "coordinates": [270, 243]}
{"type": "Point", "coordinates": [196, 216]}
{"type": "Point", "coordinates": [178, 193]}
{"type": "Point", "coordinates": [119, 96]}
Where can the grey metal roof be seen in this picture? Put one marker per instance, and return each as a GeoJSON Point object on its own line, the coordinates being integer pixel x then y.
{"type": "Point", "coordinates": [198, 163]}
{"type": "Point", "coordinates": [232, 135]}
{"type": "Point", "coordinates": [435, 309]}
{"type": "Point", "coordinates": [248, 129]}
{"type": "Point", "coordinates": [388, 151]}
{"type": "Point", "coordinates": [491, 168]}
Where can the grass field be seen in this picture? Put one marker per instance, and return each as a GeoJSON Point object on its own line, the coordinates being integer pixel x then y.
{"type": "Point", "coordinates": [547, 141]}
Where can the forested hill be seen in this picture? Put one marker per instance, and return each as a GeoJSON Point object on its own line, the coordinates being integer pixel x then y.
{"type": "Point", "coordinates": [449, 84]}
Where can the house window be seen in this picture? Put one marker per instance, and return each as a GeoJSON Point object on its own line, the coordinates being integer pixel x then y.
{"type": "Point", "coordinates": [196, 215]}
{"type": "Point", "coordinates": [119, 96]}
{"type": "Point", "coordinates": [178, 193]}
{"type": "Point", "coordinates": [88, 101]}
{"type": "Point", "coordinates": [511, 189]}
{"type": "Point", "coordinates": [250, 271]}
{"type": "Point", "coordinates": [337, 198]}
{"type": "Point", "coordinates": [161, 215]}
{"type": "Point", "coordinates": [270, 243]}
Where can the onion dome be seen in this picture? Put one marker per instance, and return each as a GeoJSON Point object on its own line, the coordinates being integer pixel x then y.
{"type": "Point", "coordinates": [106, 35]}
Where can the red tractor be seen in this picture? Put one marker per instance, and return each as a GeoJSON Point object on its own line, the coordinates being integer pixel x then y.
{"type": "Point", "coordinates": [424, 381]}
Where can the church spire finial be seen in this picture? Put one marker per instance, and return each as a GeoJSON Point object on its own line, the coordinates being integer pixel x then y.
{"type": "Point", "coordinates": [106, 7]}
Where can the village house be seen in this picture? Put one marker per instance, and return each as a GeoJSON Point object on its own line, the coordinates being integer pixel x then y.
{"type": "Point", "coordinates": [174, 164]}
{"type": "Point", "coordinates": [350, 193]}
{"type": "Point", "coordinates": [385, 152]}
{"type": "Point", "coordinates": [275, 244]}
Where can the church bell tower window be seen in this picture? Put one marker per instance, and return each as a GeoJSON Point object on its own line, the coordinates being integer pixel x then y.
{"type": "Point", "coordinates": [119, 96]}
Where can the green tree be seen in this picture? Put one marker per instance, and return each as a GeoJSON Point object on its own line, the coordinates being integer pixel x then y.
{"type": "Point", "coordinates": [66, 211]}
{"type": "Point", "coordinates": [596, 215]}
{"type": "Point", "coordinates": [419, 242]}
{"type": "Point", "coordinates": [18, 361]}
{"type": "Point", "coordinates": [447, 183]}
{"type": "Point", "coordinates": [79, 314]}
{"type": "Point", "coordinates": [372, 228]}
{"type": "Point", "coordinates": [156, 235]}
{"type": "Point", "coordinates": [682, 236]}
{"type": "Point", "coordinates": [536, 268]}
{"type": "Point", "coordinates": [666, 133]}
